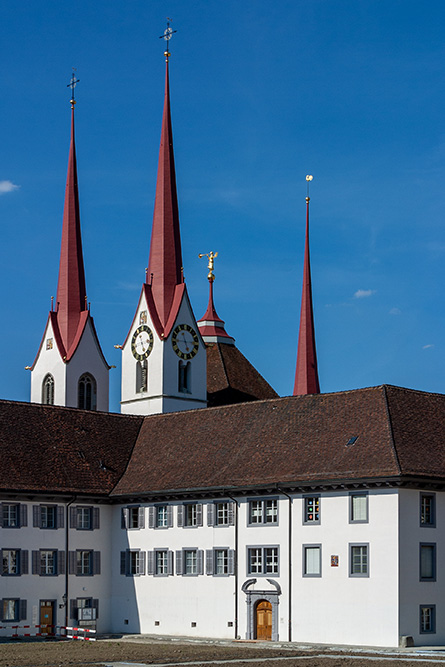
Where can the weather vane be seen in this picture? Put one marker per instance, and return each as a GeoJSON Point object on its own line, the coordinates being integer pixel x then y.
{"type": "Point", "coordinates": [167, 36]}
{"type": "Point", "coordinates": [211, 257]}
{"type": "Point", "coordinates": [309, 178]}
{"type": "Point", "coordinates": [72, 85]}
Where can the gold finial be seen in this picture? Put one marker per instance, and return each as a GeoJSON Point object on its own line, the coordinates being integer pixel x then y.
{"type": "Point", "coordinates": [211, 257]}
{"type": "Point", "coordinates": [118, 347]}
{"type": "Point", "coordinates": [27, 368]}
{"type": "Point", "coordinates": [309, 178]}
{"type": "Point", "coordinates": [72, 85]}
{"type": "Point", "coordinates": [167, 36]}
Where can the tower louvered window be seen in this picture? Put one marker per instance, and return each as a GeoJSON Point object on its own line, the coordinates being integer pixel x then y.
{"type": "Point", "coordinates": [87, 393]}
{"type": "Point", "coordinates": [48, 390]}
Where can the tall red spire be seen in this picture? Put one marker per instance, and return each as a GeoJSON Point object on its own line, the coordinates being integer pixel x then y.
{"type": "Point", "coordinates": [71, 291]}
{"type": "Point", "coordinates": [165, 262]}
{"type": "Point", "coordinates": [306, 375]}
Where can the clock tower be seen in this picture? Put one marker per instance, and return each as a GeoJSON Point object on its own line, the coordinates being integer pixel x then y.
{"type": "Point", "coordinates": [70, 368]}
{"type": "Point", "coordinates": [164, 356]}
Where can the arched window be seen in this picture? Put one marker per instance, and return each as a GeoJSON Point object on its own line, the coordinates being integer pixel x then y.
{"type": "Point", "coordinates": [48, 390]}
{"type": "Point", "coordinates": [185, 377]}
{"type": "Point", "coordinates": [86, 394]}
{"type": "Point", "coordinates": [141, 376]}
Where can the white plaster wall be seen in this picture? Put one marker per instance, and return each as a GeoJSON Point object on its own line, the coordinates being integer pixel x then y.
{"type": "Point", "coordinates": [87, 359]}
{"type": "Point", "coordinates": [413, 592]}
{"type": "Point", "coordinates": [49, 361]}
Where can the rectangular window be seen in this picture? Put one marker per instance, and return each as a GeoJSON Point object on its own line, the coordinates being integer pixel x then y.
{"type": "Point", "coordinates": [311, 509]}
{"type": "Point", "coordinates": [84, 609]}
{"type": "Point", "coordinates": [137, 562]}
{"type": "Point", "coordinates": [191, 517]}
{"type": "Point", "coordinates": [48, 562]}
{"type": "Point", "coordinates": [13, 515]}
{"type": "Point", "coordinates": [133, 517]}
{"type": "Point", "coordinates": [262, 560]}
{"type": "Point", "coordinates": [427, 509]}
{"type": "Point", "coordinates": [428, 619]}
{"type": "Point", "coordinates": [190, 561]}
{"type": "Point", "coordinates": [161, 516]}
{"type": "Point", "coordinates": [220, 561]}
{"type": "Point", "coordinates": [359, 560]}
{"type": "Point", "coordinates": [84, 562]}
{"type": "Point", "coordinates": [10, 562]}
{"type": "Point", "coordinates": [263, 512]}
{"type": "Point", "coordinates": [161, 562]}
{"type": "Point", "coordinates": [427, 562]}
{"type": "Point", "coordinates": [222, 514]}
{"type": "Point", "coordinates": [311, 560]}
{"type": "Point", "coordinates": [10, 609]}
{"type": "Point", "coordinates": [48, 516]}
{"type": "Point", "coordinates": [84, 517]}
{"type": "Point", "coordinates": [358, 509]}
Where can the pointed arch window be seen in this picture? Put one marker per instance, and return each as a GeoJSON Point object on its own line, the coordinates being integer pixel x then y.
{"type": "Point", "coordinates": [141, 376]}
{"type": "Point", "coordinates": [185, 377]}
{"type": "Point", "coordinates": [48, 390]}
{"type": "Point", "coordinates": [86, 392]}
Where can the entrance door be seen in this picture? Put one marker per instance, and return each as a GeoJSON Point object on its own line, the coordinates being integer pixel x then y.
{"type": "Point", "coordinates": [264, 620]}
{"type": "Point", "coordinates": [46, 617]}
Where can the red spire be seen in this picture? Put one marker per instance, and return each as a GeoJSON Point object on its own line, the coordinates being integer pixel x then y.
{"type": "Point", "coordinates": [211, 327]}
{"type": "Point", "coordinates": [306, 375]}
{"type": "Point", "coordinates": [71, 291]}
{"type": "Point", "coordinates": [165, 262]}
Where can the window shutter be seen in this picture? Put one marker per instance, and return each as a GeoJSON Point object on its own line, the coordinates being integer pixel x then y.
{"type": "Point", "coordinates": [142, 562]}
{"type": "Point", "coordinates": [23, 518]}
{"type": "Point", "coordinates": [96, 606]}
{"type": "Point", "coordinates": [179, 562]}
{"type": "Point", "coordinates": [151, 517]}
{"type": "Point", "coordinates": [180, 517]}
{"type": "Point", "coordinates": [35, 562]}
{"type": "Point", "coordinates": [23, 561]}
{"type": "Point", "coordinates": [123, 562]}
{"type": "Point", "coordinates": [96, 518]}
{"type": "Point", "coordinates": [36, 516]}
{"type": "Point", "coordinates": [141, 517]}
{"type": "Point", "coordinates": [124, 518]}
{"type": "Point", "coordinates": [199, 514]}
{"type": "Point", "coordinates": [73, 517]}
{"type": "Point", "coordinates": [170, 562]}
{"type": "Point", "coordinates": [209, 561]}
{"type": "Point", "coordinates": [73, 609]}
{"type": "Point", "coordinates": [200, 561]}
{"type": "Point", "coordinates": [231, 513]}
{"type": "Point", "coordinates": [1, 514]}
{"type": "Point", "coordinates": [71, 562]}
{"type": "Point", "coordinates": [60, 516]}
{"type": "Point", "coordinates": [61, 567]}
{"type": "Point", "coordinates": [150, 561]}
{"type": "Point", "coordinates": [22, 610]}
{"type": "Point", "coordinates": [210, 514]}
{"type": "Point", "coordinates": [96, 562]}
{"type": "Point", "coordinates": [170, 516]}
{"type": "Point", "coordinates": [231, 561]}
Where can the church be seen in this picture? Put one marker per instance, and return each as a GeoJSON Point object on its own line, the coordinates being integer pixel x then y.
{"type": "Point", "coordinates": [211, 507]}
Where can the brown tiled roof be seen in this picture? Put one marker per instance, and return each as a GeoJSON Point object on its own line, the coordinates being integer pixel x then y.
{"type": "Point", "coordinates": [62, 450]}
{"type": "Point", "coordinates": [233, 379]}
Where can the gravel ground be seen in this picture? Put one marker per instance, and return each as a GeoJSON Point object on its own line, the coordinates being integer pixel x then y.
{"type": "Point", "coordinates": [55, 653]}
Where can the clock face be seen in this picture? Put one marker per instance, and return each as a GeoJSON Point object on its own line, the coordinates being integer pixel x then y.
{"type": "Point", "coordinates": [185, 341]}
{"type": "Point", "coordinates": [142, 342]}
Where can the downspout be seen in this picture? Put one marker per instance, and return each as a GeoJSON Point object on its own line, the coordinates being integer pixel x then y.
{"type": "Point", "coordinates": [236, 565]}
{"type": "Point", "coordinates": [290, 561]}
{"type": "Point", "coordinates": [67, 528]}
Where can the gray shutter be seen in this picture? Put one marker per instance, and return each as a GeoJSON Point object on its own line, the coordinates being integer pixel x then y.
{"type": "Point", "coordinates": [124, 518]}
{"type": "Point", "coordinates": [23, 518]}
{"type": "Point", "coordinates": [96, 518]}
{"type": "Point", "coordinates": [231, 513]}
{"type": "Point", "coordinates": [170, 516]}
{"type": "Point", "coordinates": [170, 562]}
{"type": "Point", "coordinates": [96, 606]}
{"type": "Point", "coordinates": [142, 562]}
{"type": "Point", "coordinates": [61, 566]}
{"type": "Point", "coordinates": [141, 517]}
{"type": "Point", "coordinates": [180, 517]}
{"type": "Point", "coordinates": [73, 517]}
{"type": "Point", "coordinates": [36, 516]}
{"type": "Point", "coordinates": [199, 514]}
{"type": "Point", "coordinates": [179, 562]}
{"type": "Point", "coordinates": [1, 514]}
{"type": "Point", "coordinates": [150, 561]}
{"type": "Point", "coordinates": [22, 610]}
{"type": "Point", "coordinates": [73, 609]}
{"type": "Point", "coordinates": [151, 516]}
{"type": "Point", "coordinates": [209, 561]}
{"type": "Point", "coordinates": [35, 562]}
{"type": "Point", "coordinates": [60, 516]}
{"type": "Point", "coordinates": [72, 562]}
{"type": "Point", "coordinates": [23, 561]}
{"type": "Point", "coordinates": [210, 514]}
{"type": "Point", "coordinates": [231, 561]}
{"type": "Point", "coordinates": [123, 562]}
{"type": "Point", "coordinates": [96, 562]}
{"type": "Point", "coordinates": [200, 561]}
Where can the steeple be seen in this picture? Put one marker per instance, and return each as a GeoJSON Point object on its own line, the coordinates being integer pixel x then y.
{"type": "Point", "coordinates": [306, 375]}
{"type": "Point", "coordinates": [211, 327]}
{"type": "Point", "coordinates": [71, 291]}
{"type": "Point", "coordinates": [165, 261]}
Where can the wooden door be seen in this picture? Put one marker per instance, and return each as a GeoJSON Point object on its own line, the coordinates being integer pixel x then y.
{"type": "Point", "coordinates": [46, 617]}
{"type": "Point", "coordinates": [264, 620]}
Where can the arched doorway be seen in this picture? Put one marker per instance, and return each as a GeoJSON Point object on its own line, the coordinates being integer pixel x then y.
{"type": "Point", "coordinates": [263, 620]}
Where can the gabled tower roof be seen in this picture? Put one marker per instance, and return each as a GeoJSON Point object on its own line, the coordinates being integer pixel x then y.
{"type": "Point", "coordinates": [165, 261]}
{"type": "Point", "coordinates": [306, 374]}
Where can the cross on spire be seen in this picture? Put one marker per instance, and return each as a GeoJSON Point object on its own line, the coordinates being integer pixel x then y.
{"type": "Point", "coordinates": [168, 32]}
{"type": "Point", "coordinates": [72, 84]}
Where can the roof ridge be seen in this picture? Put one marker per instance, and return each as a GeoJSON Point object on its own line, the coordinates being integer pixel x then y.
{"type": "Point", "coordinates": [391, 431]}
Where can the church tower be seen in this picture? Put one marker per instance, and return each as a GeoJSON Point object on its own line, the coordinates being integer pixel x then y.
{"type": "Point", "coordinates": [70, 368]}
{"type": "Point", "coordinates": [163, 356]}
{"type": "Point", "coordinates": [306, 374]}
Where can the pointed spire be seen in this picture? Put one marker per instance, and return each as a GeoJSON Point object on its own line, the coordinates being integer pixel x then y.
{"type": "Point", "coordinates": [306, 375]}
{"type": "Point", "coordinates": [165, 262]}
{"type": "Point", "coordinates": [211, 327]}
{"type": "Point", "coordinates": [71, 291]}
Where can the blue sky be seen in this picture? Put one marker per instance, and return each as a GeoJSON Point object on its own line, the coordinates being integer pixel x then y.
{"type": "Point", "coordinates": [351, 91]}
